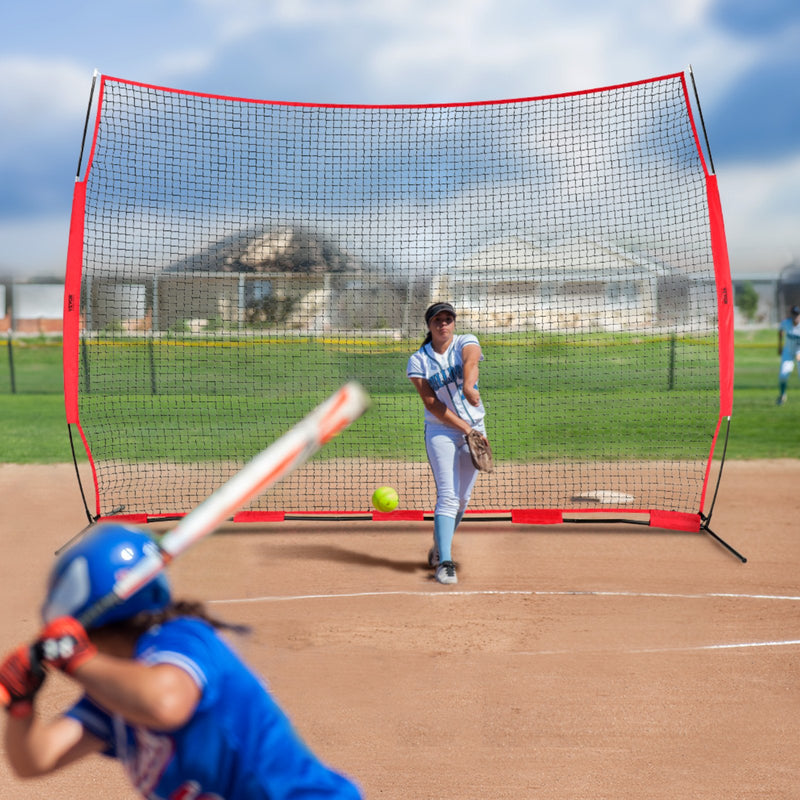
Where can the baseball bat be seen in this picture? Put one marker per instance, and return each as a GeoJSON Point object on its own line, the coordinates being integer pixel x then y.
{"type": "Point", "coordinates": [272, 464]}
{"type": "Point", "coordinates": [268, 467]}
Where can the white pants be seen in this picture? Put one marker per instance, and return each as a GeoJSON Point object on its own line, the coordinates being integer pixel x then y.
{"type": "Point", "coordinates": [452, 467]}
{"type": "Point", "coordinates": [787, 365]}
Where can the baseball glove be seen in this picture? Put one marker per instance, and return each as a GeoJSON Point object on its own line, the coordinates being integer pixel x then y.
{"type": "Point", "coordinates": [480, 451]}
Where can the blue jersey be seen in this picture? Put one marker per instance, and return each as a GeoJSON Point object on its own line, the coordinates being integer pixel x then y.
{"type": "Point", "coordinates": [445, 374]}
{"type": "Point", "coordinates": [238, 745]}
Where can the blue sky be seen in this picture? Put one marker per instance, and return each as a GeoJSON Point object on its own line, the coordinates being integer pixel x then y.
{"type": "Point", "coordinates": [745, 56]}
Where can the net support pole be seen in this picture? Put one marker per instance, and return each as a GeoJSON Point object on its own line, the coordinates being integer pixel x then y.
{"type": "Point", "coordinates": [11, 375]}
{"type": "Point", "coordinates": [706, 519]}
{"type": "Point", "coordinates": [730, 549]}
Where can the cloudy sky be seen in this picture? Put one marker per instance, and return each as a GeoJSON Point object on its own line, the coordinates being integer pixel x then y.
{"type": "Point", "coordinates": [745, 55]}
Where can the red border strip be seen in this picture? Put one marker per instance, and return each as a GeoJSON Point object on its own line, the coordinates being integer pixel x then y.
{"type": "Point", "coordinates": [722, 274]}
{"type": "Point", "coordinates": [133, 519]}
{"type": "Point", "coordinates": [398, 516]}
{"type": "Point", "coordinates": [669, 520]}
{"type": "Point", "coordinates": [235, 99]}
{"type": "Point", "coordinates": [724, 287]}
{"type": "Point", "coordinates": [535, 516]}
{"type": "Point", "coordinates": [259, 516]}
{"type": "Point", "coordinates": [722, 279]}
{"type": "Point", "coordinates": [72, 302]}
{"type": "Point", "coordinates": [675, 521]}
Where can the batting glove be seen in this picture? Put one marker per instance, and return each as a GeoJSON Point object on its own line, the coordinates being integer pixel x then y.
{"type": "Point", "coordinates": [20, 678]}
{"type": "Point", "coordinates": [64, 644]}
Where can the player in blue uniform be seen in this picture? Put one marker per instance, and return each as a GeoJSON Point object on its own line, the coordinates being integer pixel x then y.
{"type": "Point", "coordinates": [445, 373]}
{"type": "Point", "coordinates": [788, 349]}
{"type": "Point", "coordinates": [163, 692]}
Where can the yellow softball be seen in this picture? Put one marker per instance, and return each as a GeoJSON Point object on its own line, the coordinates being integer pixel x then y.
{"type": "Point", "coordinates": [384, 498]}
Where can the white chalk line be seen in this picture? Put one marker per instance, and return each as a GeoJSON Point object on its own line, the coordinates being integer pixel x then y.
{"type": "Point", "coordinates": [508, 592]}
{"type": "Point", "coordinates": [553, 593]}
{"type": "Point", "coordinates": [656, 650]}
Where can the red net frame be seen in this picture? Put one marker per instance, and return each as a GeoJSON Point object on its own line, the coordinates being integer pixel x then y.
{"type": "Point", "coordinates": [666, 233]}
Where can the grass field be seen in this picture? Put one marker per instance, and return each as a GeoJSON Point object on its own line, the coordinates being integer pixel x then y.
{"type": "Point", "coordinates": [182, 381]}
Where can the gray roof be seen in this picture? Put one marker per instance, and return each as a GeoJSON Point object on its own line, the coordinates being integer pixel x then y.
{"type": "Point", "coordinates": [283, 248]}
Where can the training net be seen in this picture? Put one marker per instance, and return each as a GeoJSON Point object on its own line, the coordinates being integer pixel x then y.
{"type": "Point", "coordinates": [233, 262]}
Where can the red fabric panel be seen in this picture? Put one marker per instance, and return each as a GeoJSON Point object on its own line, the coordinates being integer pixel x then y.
{"type": "Point", "coordinates": [722, 272]}
{"type": "Point", "coordinates": [134, 519]}
{"type": "Point", "coordinates": [535, 516]}
{"type": "Point", "coordinates": [398, 516]}
{"type": "Point", "coordinates": [299, 512]}
{"type": "Point", "coordinates": [675, 521]}
{"type": "Point", "coordinates": [72, 302]}
{"type": "Point", "coordinates": [259, 516]}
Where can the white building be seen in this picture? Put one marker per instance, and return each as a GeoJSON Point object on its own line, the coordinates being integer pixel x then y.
{"type": "Point", "coordinates": [515, 284]}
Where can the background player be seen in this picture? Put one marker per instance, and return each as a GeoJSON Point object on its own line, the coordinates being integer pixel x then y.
{"type": "Point", "coordinates": [162, 691]}
{"type": "Point", "coordinates": [788, 349]}
{"type": "Point", "coordinates": [445, 373]}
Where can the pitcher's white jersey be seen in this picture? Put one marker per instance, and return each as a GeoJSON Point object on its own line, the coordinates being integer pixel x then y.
{"type": "Point", "coordinates": [445, 374]}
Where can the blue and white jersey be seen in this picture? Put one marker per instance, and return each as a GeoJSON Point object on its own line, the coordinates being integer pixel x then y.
{"type": "Point", "coordinates": [445, 374]}
{"type": "Point", "coordinates": [238, 745]}
{"type": "Point", "coordinates": [791, 339]}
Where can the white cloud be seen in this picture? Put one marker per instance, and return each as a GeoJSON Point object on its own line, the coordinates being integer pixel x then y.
{"type": "Point", "coordinates": [424, 51]}
{"type": "Point", "coordinates": [519, 49]}
{"type": "Point", "coordinates": [41, 102]}
{"type": "Point", "coordinates": [186, 62]}
{"type": "Point", "coordinates": [240, 19]}
{"type": "Point", "coordinates": [441, 50]}
{"type": "Point", "coordinates": [41, 91]}
{"type": "Point", "coordinates": [34, 246]}
{"type": "Point", "coordinates": [761, 207]}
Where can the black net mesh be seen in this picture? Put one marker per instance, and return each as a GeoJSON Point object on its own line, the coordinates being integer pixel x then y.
{"type": "Point", "coordinates": [242, 259]}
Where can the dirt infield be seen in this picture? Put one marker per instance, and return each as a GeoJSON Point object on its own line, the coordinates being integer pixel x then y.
{"type": "Point", "coordinates": [573, 662]}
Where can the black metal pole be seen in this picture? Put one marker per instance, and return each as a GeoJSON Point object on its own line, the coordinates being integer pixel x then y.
{"type": "Point", "coordinates": [87, 382]}
{"type": "Point", "coordinates": [151, 355]}
{"type": "Point", "coordinates": [719, 474]}
{"type": "Point", "coordinates": [711, 533]}
{"type": "Point", "coordinates": [11, 364]}
{"type": "Point", "coordinates": [78, 474]}
{"type": "Point", "coordinates": [707, 519]}
{"type": "Point", "coordinates": [86, 124]}
{"type": "Point", "coordinates": [671, 381]}
{"type": "Point", "coordinates": [702, 121]}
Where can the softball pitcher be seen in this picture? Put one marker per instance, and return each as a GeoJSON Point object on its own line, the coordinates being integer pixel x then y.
{"type": "Point", "coordinates": [788, 349]}
{"type": "Point", "coordinates": [445, 373]}
{"type": "Point", "coordinates": [163, 692]}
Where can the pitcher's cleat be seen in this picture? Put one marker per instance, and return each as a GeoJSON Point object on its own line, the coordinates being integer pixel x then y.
{"type": "Point", "coordinates": [446, 572]}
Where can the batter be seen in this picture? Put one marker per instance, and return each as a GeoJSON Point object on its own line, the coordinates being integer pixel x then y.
{"type": "Point", "coordinates": [162, 692]}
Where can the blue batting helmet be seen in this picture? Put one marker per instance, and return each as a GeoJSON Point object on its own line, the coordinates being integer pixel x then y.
{"type": "Point", "coordinates": [88, 571]}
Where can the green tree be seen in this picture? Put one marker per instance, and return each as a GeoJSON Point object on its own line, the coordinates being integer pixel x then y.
{"type": "Point", "coordinates": [747, 300]}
